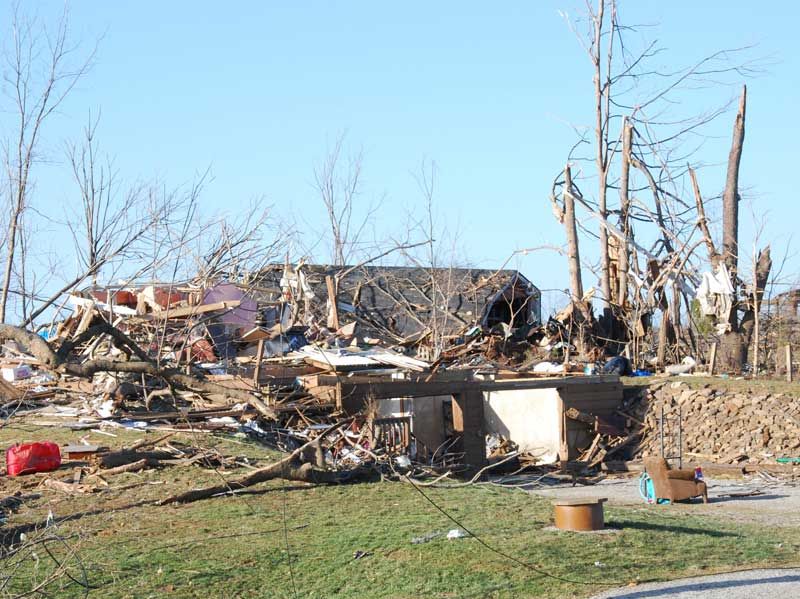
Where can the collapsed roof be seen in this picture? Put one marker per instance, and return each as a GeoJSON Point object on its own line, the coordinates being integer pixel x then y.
{"type": "Point", "coordinates": [407, 302]}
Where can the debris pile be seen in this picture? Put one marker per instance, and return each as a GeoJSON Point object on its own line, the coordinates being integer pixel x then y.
{"type": "Point", "coordinates": [718, 425]}
{"type": "Point", "coordinates": [291, 355]}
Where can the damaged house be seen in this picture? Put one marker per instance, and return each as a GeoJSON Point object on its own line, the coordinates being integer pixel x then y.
{"type": "Point", "coordinates": [422, 354]}
{"type": "Point", "coordinates": [421, 308]}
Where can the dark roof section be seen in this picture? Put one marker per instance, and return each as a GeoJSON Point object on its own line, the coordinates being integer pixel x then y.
{"type": "Point", "coordinates": [400, 300]}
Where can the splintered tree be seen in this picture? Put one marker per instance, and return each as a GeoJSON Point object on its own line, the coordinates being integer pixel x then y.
{"type": "Point", "coordinates": [736, 340]}
{"type": "Point", "coordinates": [637, 146]}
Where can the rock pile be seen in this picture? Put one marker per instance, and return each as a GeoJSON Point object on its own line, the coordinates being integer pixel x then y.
{"type": "Point", "coordinates": [719, 425]}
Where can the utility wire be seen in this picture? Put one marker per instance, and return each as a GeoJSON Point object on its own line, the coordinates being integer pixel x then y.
{"type": "Point", "coordinates": [288, 547]}
{"type": "Point", "coordinates": [501, 553]}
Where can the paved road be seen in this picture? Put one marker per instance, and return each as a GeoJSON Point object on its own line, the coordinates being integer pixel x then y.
{"type": "Point", "coordinates": [752, 584]}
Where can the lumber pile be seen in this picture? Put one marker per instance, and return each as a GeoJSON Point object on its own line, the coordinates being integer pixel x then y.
{"type": "Point", "coordinates": [720, 425]}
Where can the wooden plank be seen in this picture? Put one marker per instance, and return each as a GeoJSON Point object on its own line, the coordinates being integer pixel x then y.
{"type": "Point", "coordinates": [788, 363]}
{"type": "Point", "coordinates": [333, 309]}
{"type": "Point", "coordinates": [712, 359]}
{"type": "Point", "coordinates": [190, 415]}
{"type": "Point", "coordinates": [259, 333]}
{"type": "Point", "coordinates": [390, 389]}
{"type": "Point", "coordinates": [259, 357]}
{"type": "Point", "coordinates": [192, 310]}
{"type": "Point", "coordinates": [8, 391]}
{"type": "Point", "coordinates": [86, 319]}
{"type": "Point", "coordinates": [468, 423]}
{"type": "Point", "coordinates": [272, 371]}
{"type": "Point", "coordinates": [398, 360]}
{"type": "Point", "coordinates": [333, 360]}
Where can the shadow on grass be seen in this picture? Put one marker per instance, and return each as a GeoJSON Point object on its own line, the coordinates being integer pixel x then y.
{"type": "Point", "coordinates": [650, 527]}
{"type": "Point", "coordinates": [11, 536]}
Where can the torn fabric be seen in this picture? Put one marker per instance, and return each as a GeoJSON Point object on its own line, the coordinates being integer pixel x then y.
{"type": "Point", "coordinates": [715, 295]}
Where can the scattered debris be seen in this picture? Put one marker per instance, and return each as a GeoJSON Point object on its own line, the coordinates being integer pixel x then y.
{"type": "Point", "coordinates": [426, 538]}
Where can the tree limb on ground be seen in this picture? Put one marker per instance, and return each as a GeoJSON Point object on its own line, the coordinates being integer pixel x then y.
{"type": "Point", "coordinates": [57, 360]}
{"type": "Point", "coordinates": [292, 467]}
{"type": "Point", "coordinates": [289, 468]}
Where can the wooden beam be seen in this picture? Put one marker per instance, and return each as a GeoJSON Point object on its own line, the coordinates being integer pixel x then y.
{"type": "Point", "coordinates": [258, 333]}
{"type": "Point", "coordinates": [468, 423]}
{"type": "Point", "coordinates": [192, 310]}
{"type": "Point", "coordinates": [421, 388]}
{"type": "Point", "coordinates": [259, 357]}
{"type": "Point", "coordinates": [712, 359]}
{"type": "Point", "coordinates": [333, 309]}
{"type": "Point", "coordinates": [788, 362]}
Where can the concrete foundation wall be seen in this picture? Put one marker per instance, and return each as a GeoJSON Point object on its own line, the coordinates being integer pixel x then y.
{"type": "Point", "coordinates": [531, 418]}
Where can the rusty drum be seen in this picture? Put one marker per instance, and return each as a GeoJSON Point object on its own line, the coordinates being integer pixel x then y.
{"type": "Point", "coordinates": [580, 514]}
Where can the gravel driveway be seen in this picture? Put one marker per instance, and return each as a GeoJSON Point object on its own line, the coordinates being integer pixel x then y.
{"type": "Point", "coordinates": [749, 584]}
{"type": "Point", "coordinates": [777, 504]}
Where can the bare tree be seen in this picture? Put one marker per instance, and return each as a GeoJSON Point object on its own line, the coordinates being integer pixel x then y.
{"type": "Point", "coordinates": [42, 68]}
{"type": "Point", "coordinates": [573, 251]}
{"type": "Point", "coordinates": [338, 181]}
{"type": "Point", "coordinates": [639, 142]}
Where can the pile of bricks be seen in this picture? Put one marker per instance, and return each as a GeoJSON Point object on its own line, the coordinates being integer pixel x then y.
{"type": "Point", "coordinates": [718, 425]}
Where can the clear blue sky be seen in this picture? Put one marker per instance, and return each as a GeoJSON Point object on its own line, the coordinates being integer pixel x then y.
{"type": "Point", "coordinates": [486, 90]}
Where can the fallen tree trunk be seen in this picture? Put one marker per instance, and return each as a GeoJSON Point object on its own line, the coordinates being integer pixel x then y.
{"type": "Point", "coordinates": [172, 376]}
{"type": "Point", "coordinates": [292, 467]}
{"type": "Point", "coordinates": [124, 457]}
{"type": "Point", "coordinates": [129, 467]}
{"type": "Point", "coordinates": [58, 360]}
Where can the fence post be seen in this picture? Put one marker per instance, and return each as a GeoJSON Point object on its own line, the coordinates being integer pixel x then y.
{"type": "Point", "coordinates": [712, 359]}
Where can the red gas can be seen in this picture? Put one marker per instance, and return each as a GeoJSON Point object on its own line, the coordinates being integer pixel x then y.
{"type": "Point", "coordinates": [32, 457]}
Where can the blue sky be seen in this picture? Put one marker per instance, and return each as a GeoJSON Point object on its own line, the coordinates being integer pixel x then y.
{"type": "Point", "coordinates": [486, 90]}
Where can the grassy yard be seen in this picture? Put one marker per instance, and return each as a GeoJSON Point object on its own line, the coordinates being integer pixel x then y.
{"type": "Point", "coordinates": [240, 546]}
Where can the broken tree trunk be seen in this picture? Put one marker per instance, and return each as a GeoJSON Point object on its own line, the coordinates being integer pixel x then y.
{"type": "Point", "coordinates": [624, 209]}
{"type": "Point", "coordinates": [573, 253]}
{"type": "Point", "coordinates": [730, 198]}
{"type": "Point", "coordinates": [291, 467]}
{"type": "Point", "coordinates": [117, 459]}
{"type": "Point", "coordinates": [702, 221]}
{"type": "Point", "coordinates": [602, 92]}
{"type": "Point", "coordinates": [663, 334]}
{"type": "Point", "coordinates": [733, 350]}
{"type": "Point", "coordinates": [762, 269]}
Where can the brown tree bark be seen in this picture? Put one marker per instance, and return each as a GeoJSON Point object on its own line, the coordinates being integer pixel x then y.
{"type": "Point", "coordinates": [573, 252]}
{"type": "Point", "coordinates": [763, 268]}
{"type": "Point", "coordinates": [289, 468]}
{"type": "Point", "coordinates": [624, 208]}
{"type": "Point", "coordinates": [730, 203]}
{"type": "Point", "coordinates": [602, 91]}
{"type": "Point", "coordinates": [733, 350]}
{"type": "Point", "coordinates": [702, 221]}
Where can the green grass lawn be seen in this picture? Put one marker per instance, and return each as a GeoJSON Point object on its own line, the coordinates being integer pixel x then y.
{"type": "Point", "coordinates": [289, 540]}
